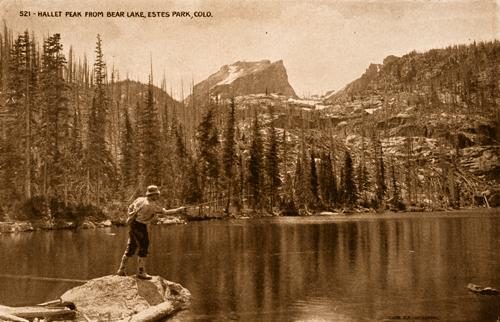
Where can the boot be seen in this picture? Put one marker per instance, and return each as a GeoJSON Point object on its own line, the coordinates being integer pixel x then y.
{"type": "Point", "coordinates": [123, 265]}
{"type": "Point", "coordinates": [141, 269]}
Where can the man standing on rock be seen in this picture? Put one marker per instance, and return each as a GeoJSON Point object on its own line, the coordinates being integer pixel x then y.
{"type": "Point", "coordinates": [140, 213]}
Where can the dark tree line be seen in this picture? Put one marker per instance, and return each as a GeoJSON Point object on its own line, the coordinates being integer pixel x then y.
{"type": "Point", "coordinates": [76, 135]}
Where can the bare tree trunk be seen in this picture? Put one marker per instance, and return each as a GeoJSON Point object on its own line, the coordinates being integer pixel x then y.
{"type": "Point", "coordinates": [27, 177]}
{"type": "Point", "coordinates": [44, 184]}
{"type": "Point", "coordinates": [65, 190]}
{"type": "Point", "coordinates": [88, 187]}
{"type": "Point", "coordinates": [229, 192]}
{"type": "Point", "coordinates": [98, 189]}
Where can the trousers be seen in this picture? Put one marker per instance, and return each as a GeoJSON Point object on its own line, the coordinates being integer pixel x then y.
{"type": "Point", "coordinates": [137, 238]}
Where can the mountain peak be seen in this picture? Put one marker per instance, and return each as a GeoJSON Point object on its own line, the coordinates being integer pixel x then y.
{"type": "Point", "coordinates": [244, 78]}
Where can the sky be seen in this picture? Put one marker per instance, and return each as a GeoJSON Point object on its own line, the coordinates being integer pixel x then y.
{"type": "Point", "coordinates": [324, 44]}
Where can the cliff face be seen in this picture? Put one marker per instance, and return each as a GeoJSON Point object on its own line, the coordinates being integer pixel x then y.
{"type": "Point", "coordinates": [437, 112]}
{"type": "Point", "coordinates": [465, 76]}
{"type": "Point", "coordinates": [244, 78]}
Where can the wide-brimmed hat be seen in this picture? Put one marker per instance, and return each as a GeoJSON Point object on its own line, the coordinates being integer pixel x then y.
{"type": "Point", "coordinates": [152, 190]}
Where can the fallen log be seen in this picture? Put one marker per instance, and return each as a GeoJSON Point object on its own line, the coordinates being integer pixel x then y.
{"type": "Point", "coordinates": [32, 312]}
{"type": "Point", "coordinates": [9, 317]}
{"type": "Point", "coordinates": [154, 313]}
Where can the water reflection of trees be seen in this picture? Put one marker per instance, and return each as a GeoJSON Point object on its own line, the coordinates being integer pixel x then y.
{"type": "Point", "coordinates": [373, 269]}
{"type": "Point", "coordinates": [273, 271]}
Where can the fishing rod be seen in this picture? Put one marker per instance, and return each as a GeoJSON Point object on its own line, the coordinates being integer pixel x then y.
{"type": "Point", "coordinates": [213, 201]}
{"type": "Point", "coordinates": [133, 195]}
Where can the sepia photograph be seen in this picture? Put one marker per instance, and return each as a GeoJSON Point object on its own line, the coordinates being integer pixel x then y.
{"type": "Point", "coordinates": [245, 160]}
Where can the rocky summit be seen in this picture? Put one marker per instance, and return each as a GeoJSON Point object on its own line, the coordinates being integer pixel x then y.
{"type": "Point", "coordinates": [244, 78]}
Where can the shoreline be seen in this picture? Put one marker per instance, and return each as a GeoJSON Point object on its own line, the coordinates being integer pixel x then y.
{"type": "Point", "coordinates": [10, 227]}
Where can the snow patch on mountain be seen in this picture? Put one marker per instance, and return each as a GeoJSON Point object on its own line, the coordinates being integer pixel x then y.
{"type": "Point", "coordinates": [234, 73]}
{"type": "Point", "coordinates": [230, 73]}
{"type": "Point", "coordinates": [244, 78]}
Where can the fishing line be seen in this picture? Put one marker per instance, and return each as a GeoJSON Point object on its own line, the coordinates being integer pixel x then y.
{"type": "Point", "coordinates": [42, 278]}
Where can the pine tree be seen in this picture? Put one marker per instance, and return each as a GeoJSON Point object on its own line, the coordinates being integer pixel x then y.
{"type": "Point", "coordinates": [362, 175]}
{"type": "Point", "coordinates": [130, 154]}
{"type": "Point", "coordinates": [192, 193]}
{"type": "Point", "coordinates": [349, 186]}
{"type": "Point", "coordinates": [180, 146]}
{"type": "Point", "coordinates": [272, 161]}
{"type": "Point", "coordinates": [255, 164]}
{"type": "Point", "coordinates": [492, 84]}
{"type": "Point", "coordinates": [240, 185]}
{"type": "Point", "coordinates": [379, 173]}
{"type": "Point", "coordinates": [55, 120]}
{"type": "Point", "coordinates": [229, 153]}
{"type": "Point", "coordinates": [100, 166]}
{"type": "Point", "coordinates": [175, 161]}
{"type": "Point", "coordinates": [139, 140]}
{"type": "Point", "coordinates": [302, 179]}
{"type": "Point", "coordinates": [151, 140]}
{"type": "Point", "coordinates": [410, 173]}
{"type": "Point", "coordinates": [341, 194]}
{"type": "Point", "coordinates": [314, 181]}
{"type": "Point", "coordinates": [287, 201]}
{"type": "Point", "coordinates": [396, 201]}
{"type": "Point", "coordinates": [31, 74]}
{"type": "Point", "coordinates": [11, 157]}
{"type": "Point", "coordinates": [327, 181]}
{"type": "Point", "coordinates": [299, 191]}
{"type": "Point", "coordinates": [208, 146]}
{"type": "Point", "coordinates": [363, 181]}
{"type": "Point", "coordinates": [182, 161]}
{"type": "Point", "coordinates": [76, 154]}
{"type": "Point", "coordinates": [5, 46]}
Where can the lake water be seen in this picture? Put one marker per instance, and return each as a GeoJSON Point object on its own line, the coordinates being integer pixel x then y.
{"type": "Point", "coordinates": [411, 267]}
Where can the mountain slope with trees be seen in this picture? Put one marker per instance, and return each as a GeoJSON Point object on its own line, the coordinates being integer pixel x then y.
{"type": "Point", "coordinates": [439, 110]}
{"type": "Point", "coordinates": [419, 132]}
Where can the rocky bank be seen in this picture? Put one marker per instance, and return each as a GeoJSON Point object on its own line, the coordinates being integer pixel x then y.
{"type": "Point", "coordinates": [117, 298]}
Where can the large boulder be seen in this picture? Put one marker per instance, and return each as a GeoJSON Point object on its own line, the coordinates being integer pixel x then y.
{"type": "Point", "coordinates": [128, 298]}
